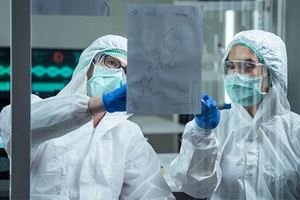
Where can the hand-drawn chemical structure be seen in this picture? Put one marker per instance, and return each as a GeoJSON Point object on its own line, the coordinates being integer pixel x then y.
{"type": "Point", "coordinates": [159, 53]}
{"type": "Point", "coordinates": [161, 66]}
{"type": "Point", "coordinates": [155, 54]}
{"type": "Point", "coordinates": [145, 84]}
{"type": "Point", "coordinates": [172, 39]}
{"type": "Point", "coordinates": [184, 89]}
{"type": "Point", "coordinates": [152, 69]}
{"type": "Point", "coordinates": [164, 59]}
{"type": "Point", "coordinates": [167, 65]}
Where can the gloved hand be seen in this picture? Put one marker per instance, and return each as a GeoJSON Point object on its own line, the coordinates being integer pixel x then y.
{"type": "Point", "coordinates": [210, 114]}
{"type": "Point", "coordinates": [116, 100]}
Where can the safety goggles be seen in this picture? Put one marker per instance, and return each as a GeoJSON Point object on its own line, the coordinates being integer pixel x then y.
{"type": "Point", "coordinates": [244, 67]}
{"type": "Point", "coordinates": [110, 62]}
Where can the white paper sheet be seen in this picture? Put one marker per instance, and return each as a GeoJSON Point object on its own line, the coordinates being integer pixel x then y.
{"type": "Point", "coordinates": [164, 59]}
{"type": "Point", "coordinates": [71, 7]}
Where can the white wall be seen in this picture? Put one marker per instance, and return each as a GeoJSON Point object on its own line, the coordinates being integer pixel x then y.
{"type": "Point", "coordinates": [77, 31]}
{"type": "Point", "coordinates": [71, 31]}
{"type": "Point", "coordinates": [67, 31]}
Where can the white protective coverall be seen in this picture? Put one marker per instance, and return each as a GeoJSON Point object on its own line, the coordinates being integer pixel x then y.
{"type": "Point", "coordinates": [71, 159]}
{"type": "Point", "coordinates": [245, 157]}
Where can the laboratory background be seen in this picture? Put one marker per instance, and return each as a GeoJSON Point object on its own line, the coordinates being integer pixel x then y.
{"type": "Point", "coordinates": [57, 41]}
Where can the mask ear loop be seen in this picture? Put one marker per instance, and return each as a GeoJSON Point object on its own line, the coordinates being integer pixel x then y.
{"type": "Point", "coordinates": [222, 69]}
{"type": "Point", "coordinates": [268, 76]}
{"type": "Point", "coordinates": [124, 69]}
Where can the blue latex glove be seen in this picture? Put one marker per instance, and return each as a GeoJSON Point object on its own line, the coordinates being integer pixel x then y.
{"type": "Point", "coordinates": [210, 114]}
{"type": "Point", "coordinates": [115, 101]}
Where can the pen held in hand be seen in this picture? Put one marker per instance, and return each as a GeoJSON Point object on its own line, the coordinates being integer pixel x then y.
{"type": "Point", "coordinates": [223, 106]}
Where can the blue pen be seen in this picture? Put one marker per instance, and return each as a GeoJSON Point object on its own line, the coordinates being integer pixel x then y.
{"type": "Point", "coordinates": [221, 107]}
{"type": "Point", "coordinates": [224, 106]}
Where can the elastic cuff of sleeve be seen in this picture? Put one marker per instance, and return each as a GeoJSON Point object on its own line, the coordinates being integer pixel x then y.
{"type": "Point", "coordinates": [105, 100]}
{"type": "Point", "coordinates": [94, 105]}
{"type": "Point", "coordinates": [202, 131]}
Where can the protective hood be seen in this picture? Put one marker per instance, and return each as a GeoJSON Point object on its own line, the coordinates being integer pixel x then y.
{"type": "Point", "coordinates": [112, 44]}
{"type": "Point", "coordinates": [269, 48]}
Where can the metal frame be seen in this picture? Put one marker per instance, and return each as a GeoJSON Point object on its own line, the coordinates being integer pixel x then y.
{"type": "Point", "coordinates": [20, 99]}
{"type": "Point", "coordinates": [220, 5]}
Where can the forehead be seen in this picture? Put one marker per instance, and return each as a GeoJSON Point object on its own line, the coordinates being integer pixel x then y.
{"type": "Point", "coordinates": [241, 52]}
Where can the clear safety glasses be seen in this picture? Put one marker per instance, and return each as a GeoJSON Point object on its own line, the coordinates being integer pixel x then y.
{"type": "Point", "coordinates": [244, 67]}
{"type": "Point", "coordinates": [110, 62]}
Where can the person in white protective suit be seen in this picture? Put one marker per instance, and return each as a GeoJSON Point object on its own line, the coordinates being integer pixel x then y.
{"type": "Point", "coordinates": [81, 152]}
{"type": "Point", "coordinates": [251, 151]}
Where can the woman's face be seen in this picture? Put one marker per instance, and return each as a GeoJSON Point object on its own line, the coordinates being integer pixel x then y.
{"type": "Point", "coordinates": [244, 54]}
{"type": "Point", "coordinates": [242, 59]}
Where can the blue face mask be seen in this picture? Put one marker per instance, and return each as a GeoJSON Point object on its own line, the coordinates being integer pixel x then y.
{"type": "Point", "coordinates": [244, 90]}
{"type": "Point", "coordinates": [104, 80]}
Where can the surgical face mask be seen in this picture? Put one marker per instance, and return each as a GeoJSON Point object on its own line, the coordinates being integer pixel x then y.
{"type": "Point", "coordinates": [244, 89]}
{"type": "Point", "coordinates": [104, 80]}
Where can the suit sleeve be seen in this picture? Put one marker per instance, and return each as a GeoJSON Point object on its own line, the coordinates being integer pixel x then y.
{"type": "Point", "coordinates": [50, 118]}
{"type": "Point", "coordinates": [196, 170]}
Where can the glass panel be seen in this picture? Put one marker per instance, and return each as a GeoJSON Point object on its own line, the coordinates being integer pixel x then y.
{"type": "Point", "coordinates": [222, 20]}
{"type": "Point", "coordinates": [4, 90]}
{"type": "Point", "coordinates": [58, 39]}
{"type": "Point", "coordinates": [247, 153]}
